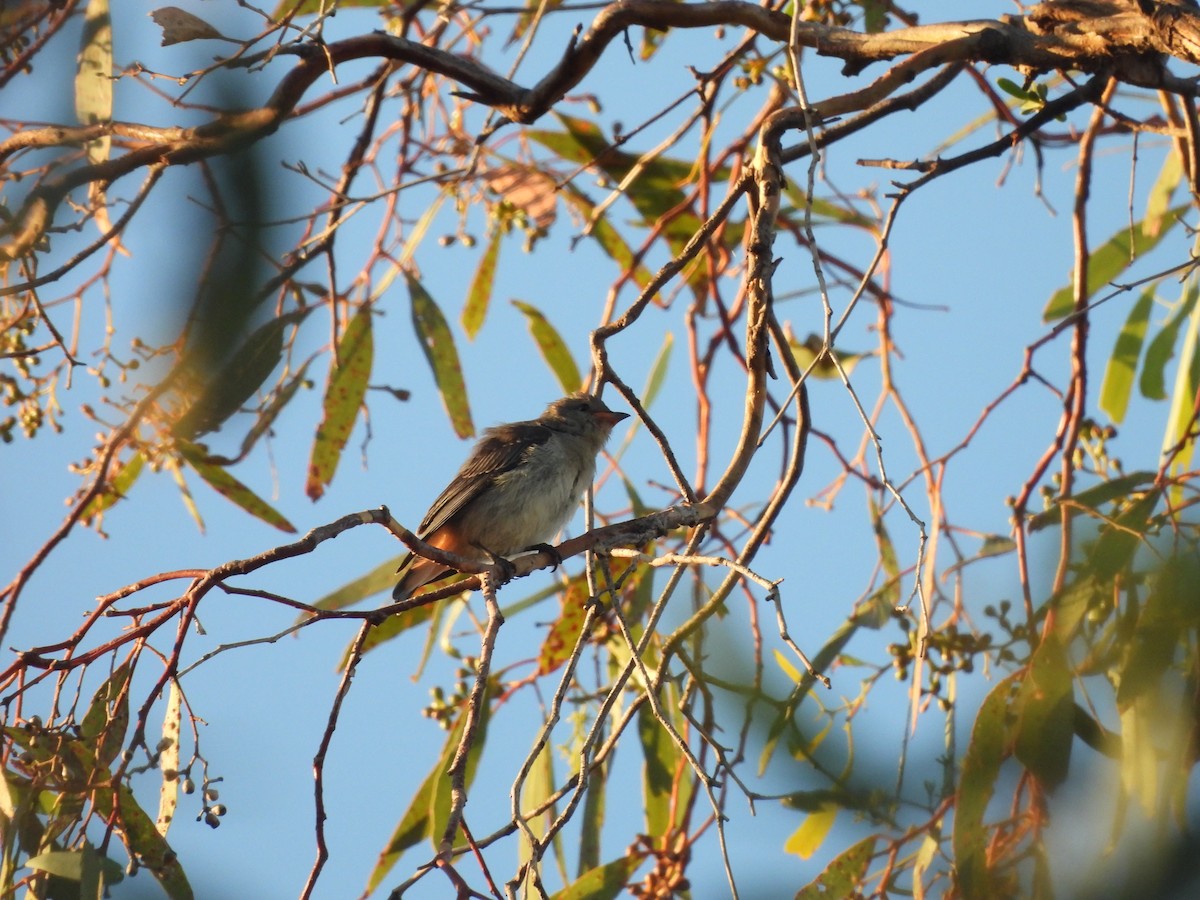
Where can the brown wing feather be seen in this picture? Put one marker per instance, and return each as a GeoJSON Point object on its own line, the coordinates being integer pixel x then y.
{"type": "Point", "coordinates": [500, 451]}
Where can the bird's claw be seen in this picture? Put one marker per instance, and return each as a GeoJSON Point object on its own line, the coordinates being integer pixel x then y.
{"type": "Point", "coordinates": [548, 549]}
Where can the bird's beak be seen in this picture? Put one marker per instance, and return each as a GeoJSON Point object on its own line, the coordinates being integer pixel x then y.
{"type": "Point", "coordinates": [609, 418]}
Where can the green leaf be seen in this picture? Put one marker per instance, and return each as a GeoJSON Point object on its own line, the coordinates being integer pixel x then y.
{"type": "Point", "coordinates": [1118, 374]}
{"type": "Point", "coordinates": [480, 293]}
{"type": "Point", "coordinates": [1158, 203]}
{"type": "Point", "coordinates": [1094, 497]}
{"type": "Point", "coordinates": [824, 209]}
{"type": "Point", "coordinates": [93, 871]}
{"type": "Point", "coordinates": [382, 577]}
{"type": "Point", "coordinates": [812, 350]}
{"type": "Point", "coordinates": [658, 371]}
{"type": "Point", "coordinates": [553, 348]}
{"type": "Point", "coordinates": [887, 557]}
{"type": "Point", "coordinates": [107, 717]}
{"type": "Point", "coordinates": [609, 238]}
{"type": "Point", "coordinates": [604, 882]}
{"type": "Point", "coordinates": [808, 838]}
{"type": "Point", "coordinates": [1162, 348]}
{"type": "Point", "coordinates": [219, 479]}
{"type": "Point", "coordinates": [116, 488]}
{"type": "Point", "coordinates": [1169, 616]}
{"type": "Point", "coordinates": [142, 838]}
{"type": "Point", "coordinates": [1180, 421]}
{"type": "Point", "coordinates": [1013, 89]}
{"type": "Point", "coordinates": [438, 344]}
{"type": "Point", "coordinates": [439, 802]}
{"type": "Point", "coordinates": [1114, 549]}
{"type": "Point", "coordinates": [240, 376]}
{"type": "Point", "coordinates": [266, 418]}
{"type": "Point", "coordinates": [660, 757]}
{"type": "Point", "coordinates": [1110, 260]}
{"type": "Point", "coordinates": [1045, 709]}
{"type": "Point", "coordinates": [842, 877]}
{"type": "Point", "coordinates": [990, 738]}
{"type": "Point", "coordinates": [595, 802]}
{"type": "Point", "coordinates": [347, 385]}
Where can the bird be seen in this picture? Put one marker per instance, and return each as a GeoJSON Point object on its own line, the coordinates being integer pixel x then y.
{"type": "Point", "coordinates": [517, 489]}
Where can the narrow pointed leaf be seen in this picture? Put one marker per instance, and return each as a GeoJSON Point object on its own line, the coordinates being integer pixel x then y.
{"type": "Point", "coordinates": [480, 293]}
{"type": "Point", "coordinates": [219, 479]}
{"type": "Point", "coordinates": [239, 377]}
{"type": "Point", "coordinates": [168, 759]}
{"type": "Point", "coordinates": [1122, 364]}
{"type": "Point", "coordinates": [1162, 349]}
{"type": "Point", "coordinates": [844, 876]}
{"type": "Point", "coordinates": [348, 377]}
{"type": "Point", "coordinates": [142, 838]}
{"type": "Point", "coordinates": [987, 749]}
{"type": "Point", "coordinates": [438, 344]}
{"type": "Point", "coordinates": [605, 882]}
{"type": "Point", "coordinates": [116, 489]}
{"type": "Point", "coordinates": [1109, 260]}
{"type": "Point", "coordinates": [553, 348]}
{"type": "Point", "coordinates": [1045, 709]}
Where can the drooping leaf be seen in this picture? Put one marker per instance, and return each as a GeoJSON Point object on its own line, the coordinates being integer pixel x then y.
{"type": "Point", "coordinates": [808, 838]}
{"type": "Point", "coordinates": [987, 749]}
{"type": "Point", "coordinates": [1094, 497]}
{"type": "Point", "coordinates": [1162, 349]}
{"type": "Point", "coordinates": [562, 635]}
{"type": "Point", "coordinates": [1170, 613]}
{"type": "Point", "coordinates": [413, 826]}
{"type": "Point", "coordinates": [553, 348]}
{"type": "Point", "coordinates": [604, 882]}
{"type": "Point", "coordinates": [1117, 543]}
{"type": "Point", "coordinates": [221, 481]}
{"type": "Point", "coordinates": [1158, 201]}
{"type": "Point", "coordinates": [843, 876]}
{"type": "Point", "coordinates": [479, 295]}
{"type": "Point", "coordinates": [92, 871]}
{"type": "Point", "coordinates": [610, 239]}
{"type": "Point", "coordinates": [344, 392]}
{"type": "Point", "coordinates": [1179, 437]}
{"type": "Point", "coordinates": [660, 760]}
{"type": "Point", "coordinates": [439, 802]}
{"type": "Point", "coordinates": [266, 418]}
{"type": "Point", "coordinates": [1045, 710]}
{"type": "Point", "coordinates": [591, 826]}
{"type": "Point", "coordinates": [107, 718]}
{"type": "Point", "coordinates": [1110, 259]}
{"type": "Point", "coordinates": [168, 759]}
{"type": "Point", "coordinates": [658, 371]}
{"type": "Point", "coordinates": [1122, 364]}
{"type": "Point", "coordinates": [239, 377]}
{"type": "Point", "coordinates": [116, 489]}
{"type": "Point", "coordinates": [823, 209]}
{"type": "Point", "coordinates": [143, 840]}
{"type": "Point", "coordinates": [438, 344]}
{"type": "Point", "coordinates": [382, 577]}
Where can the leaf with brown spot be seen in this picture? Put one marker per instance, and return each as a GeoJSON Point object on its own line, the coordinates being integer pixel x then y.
{"type": "Point", "coordinates": [344, 394]}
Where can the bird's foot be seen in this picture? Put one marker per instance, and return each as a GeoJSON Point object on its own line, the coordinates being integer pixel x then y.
{"type": "Point", "coordinates": [504, 565]}
{"type": "Point", "coordinates": [551, 550]}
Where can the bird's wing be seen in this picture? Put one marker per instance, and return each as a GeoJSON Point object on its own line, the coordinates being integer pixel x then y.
{"type": "Point", "coordinates": [500, 451]}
